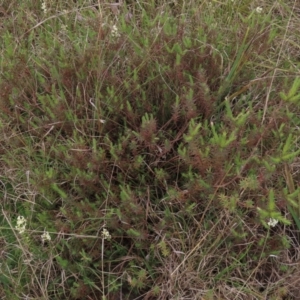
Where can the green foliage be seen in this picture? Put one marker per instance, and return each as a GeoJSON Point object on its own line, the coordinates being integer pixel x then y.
{"type": "Point", "coordinates": [163, 248]}
{"type": "Point", "coordinates": [293, 95]}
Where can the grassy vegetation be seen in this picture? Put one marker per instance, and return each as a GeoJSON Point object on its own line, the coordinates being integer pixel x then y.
{"type": "Point", "coordinates": [149, 149]}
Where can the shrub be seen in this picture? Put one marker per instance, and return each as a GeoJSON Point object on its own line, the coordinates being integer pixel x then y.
{"type": "Point", "coordinates": [142, 142]}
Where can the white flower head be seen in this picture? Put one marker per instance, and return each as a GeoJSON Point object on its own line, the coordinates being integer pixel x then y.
{"type": "Point", "coordinates": [272, 222]}
{"type": "Point", "coordinates": [258, 9]}
{"type": "Point", "coordinates": [45, 236]}
{"type": "Point", "coordinates": [115, 32]}
{"type": "Point", "coordinates": [105, 234]}
{"type": "Point", "coordinates": [21, 224]}
{"type": "Point", "coordinates": [44, 7]}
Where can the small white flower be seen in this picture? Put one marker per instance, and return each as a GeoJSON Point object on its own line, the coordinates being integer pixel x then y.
{"type": "Point", "coordinates": [45, 236]}
{"type": "Point", "coordinates": [115, 32]}
{"type": "Point", "coordinates": [105, 234]}
{"type": "Point", "coordinates": [259, 9]}
{"type": "Point", "coordinates": [44, 7]}
{"type": "Point", "coordinates": [272, 222]}
{"type": "Point", "coordinates": [21, 224]}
